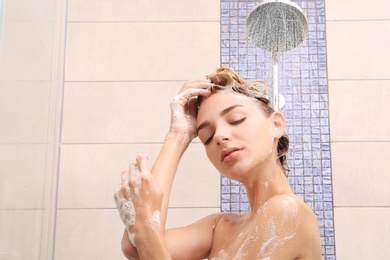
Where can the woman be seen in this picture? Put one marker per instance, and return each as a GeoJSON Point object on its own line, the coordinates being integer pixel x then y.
{"type": "Point", "coordinates": [244, 139]}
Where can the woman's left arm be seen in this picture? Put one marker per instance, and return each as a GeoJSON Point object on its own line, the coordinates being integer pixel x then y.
{"type": "Point", "coordinates": [139, 200]}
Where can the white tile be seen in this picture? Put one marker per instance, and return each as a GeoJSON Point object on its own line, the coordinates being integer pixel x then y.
{"type": "Point", "coordinates": [360, 174]}
{"type": "Point", "coordinates": [141, 51]}
{"type": "Point", "coordinates": [139, 10]}
{"type": "Point", "coordinates": [359, 110]}
{"type": "Point", "coordinates": [362, 233]}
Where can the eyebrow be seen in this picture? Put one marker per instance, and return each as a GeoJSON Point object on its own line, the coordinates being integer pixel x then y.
{"type": "Point", "coordinates": [223, 112]}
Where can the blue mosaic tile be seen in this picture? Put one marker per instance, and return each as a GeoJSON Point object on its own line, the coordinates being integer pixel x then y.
{"type": "Point", "coordinates": [303, 82]}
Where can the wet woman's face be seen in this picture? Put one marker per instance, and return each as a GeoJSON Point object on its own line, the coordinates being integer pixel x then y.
{"type": "Point", "coordinates": [237, 135]}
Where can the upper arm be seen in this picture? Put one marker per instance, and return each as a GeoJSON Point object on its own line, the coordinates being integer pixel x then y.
{"type": "Point", "coordinates": [193, 241]}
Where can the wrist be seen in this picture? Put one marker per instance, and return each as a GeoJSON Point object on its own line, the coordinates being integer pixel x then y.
{"type": "Point", "coordinates": [145, 232]}
{"type": "Point", "coordinates": [180, 138]}
{"type": "Point", "coordinates": [151, 243]}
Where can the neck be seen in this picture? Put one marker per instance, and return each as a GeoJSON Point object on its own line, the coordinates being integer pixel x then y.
{"type": "Point", "coordinates": [266, 184]}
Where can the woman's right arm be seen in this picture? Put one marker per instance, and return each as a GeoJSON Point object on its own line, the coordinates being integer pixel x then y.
{"type": "Point", "coordinates": [181, 132]}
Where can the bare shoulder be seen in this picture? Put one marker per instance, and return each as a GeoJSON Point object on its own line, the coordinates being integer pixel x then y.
{"type": "Point", "coordinates": [290, 229]}
{"type": "Point", "coordinates": [290, 205]}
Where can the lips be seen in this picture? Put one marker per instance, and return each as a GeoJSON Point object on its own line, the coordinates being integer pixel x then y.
{"type": "Point", "coordinates": [228, 152]}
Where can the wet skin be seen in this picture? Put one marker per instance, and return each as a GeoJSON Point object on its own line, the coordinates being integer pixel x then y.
{"type": "Point", "coordinates": [241, 142]}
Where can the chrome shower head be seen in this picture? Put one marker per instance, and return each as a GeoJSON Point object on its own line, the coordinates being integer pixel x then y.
{"type": "Point", "coordinates": [276, 25]}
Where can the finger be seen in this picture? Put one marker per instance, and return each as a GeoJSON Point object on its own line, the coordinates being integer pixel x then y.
{"type": "Point", "coordinates": [117, 194]}
{"type": "Point", "coordinates": [132, 168]}
{"type": "Point", "coordinates": [142, 163]}
{"type": "Point", "coordinates": [135, 180]}
{"type": "Point", "coordinates": [125, 177]}
{"type": "Point", "coordinates": [192, 107]}
{"type": "Point", "coordinates": [186, 95]}
{"type": "Point", "coordinates": [200, 84]}
{"type": "Point", "coordinates": [119, 197]}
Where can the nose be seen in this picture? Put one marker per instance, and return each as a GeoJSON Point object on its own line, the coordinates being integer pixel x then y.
{"type": "Point", "coordinates": [221, 136]}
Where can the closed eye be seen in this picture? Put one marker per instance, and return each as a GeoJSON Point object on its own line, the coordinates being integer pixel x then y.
{"type": "Point", "coordinates": [238, 121]}
{"type": "Point", "coordinates": [209, 140]}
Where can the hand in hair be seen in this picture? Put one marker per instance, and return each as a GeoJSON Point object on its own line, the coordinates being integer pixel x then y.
{"type": "Point", "coordinates": [184, 109]}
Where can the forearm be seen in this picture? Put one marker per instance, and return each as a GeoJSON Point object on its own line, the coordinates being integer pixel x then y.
{"type": "Point", "coordinates": [164, 169]}
{"type": "Point", "coordinates": [182, 131]}
{"type": "Point", "coordinates": [152, 244]}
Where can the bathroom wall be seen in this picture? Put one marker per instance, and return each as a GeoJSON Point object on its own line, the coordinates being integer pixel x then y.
{"type": "Point", "coordinates": [358, 40]}
{"type": "Point", "coordinates": [303, 83]}
{"type": "Point", "coordinates": [125, 60]}
{"type": "Point", "coordinates": [31, 65]}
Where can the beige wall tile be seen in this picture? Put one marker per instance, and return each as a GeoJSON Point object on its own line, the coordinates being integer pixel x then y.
{"type": "Point", "coordinates": [361, 174]}
{"type": "Point", "coordinates": [24, 111]}
{"type": "Point", "coordinates": [22, 176]}
{"type": "Point", "coordinates": [358, 50]}
{"type": "Point", "coordinates": [89, 175]}
{"type": "Point", "coordinates": [362, 233]}
{"type": "Point", "coordinates": [88, 234]}
{"type": "Point", "coordinates": [197, 183]}
{"type": "Point", "coordinates": [359, 110]}
{"type": "Point", "coordinates": [23, 11]}
{"type": "Point", "coordinates": [109, 112]}
{"type": "Point", "coordinates": [139, 10]}
{"type": "Point", "coordinates": [180, 217]}
{"type": "Point", "coordinates": [96, 234]}
{"type": "Point", "coordinates": [357, 10]}
{"type": "Point", "coordinates": [27, 40]}
{"type": "Point", "coordinates": [20, 234]}
{"type": "Point", "coordinates": [26, 51]}
{"type": "Point", "coordinates": [141, 51]}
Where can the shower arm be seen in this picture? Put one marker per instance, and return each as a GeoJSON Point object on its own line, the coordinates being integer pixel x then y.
{"type": "Point", "coordinates": [275, 82]}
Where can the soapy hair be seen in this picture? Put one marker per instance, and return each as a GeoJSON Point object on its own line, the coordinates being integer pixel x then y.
{"type": "Point", "coordinates": [226, 79]}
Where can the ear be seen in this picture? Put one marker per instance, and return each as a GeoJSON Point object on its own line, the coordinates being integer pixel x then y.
{"type": "Point", "coordinates": [279, 124]}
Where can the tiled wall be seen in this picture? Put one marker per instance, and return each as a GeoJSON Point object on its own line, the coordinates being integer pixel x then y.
{"type": "Point", "coordinates": [125, 60]}
{"type": "Point", "coordinates": [358, 40]}
{"type": "Point", "coordinates": [120, 51]}
{"type": "Point", "coordinates": [303, 84]}
{"type": "Point", "coordinates": [30, 88]}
